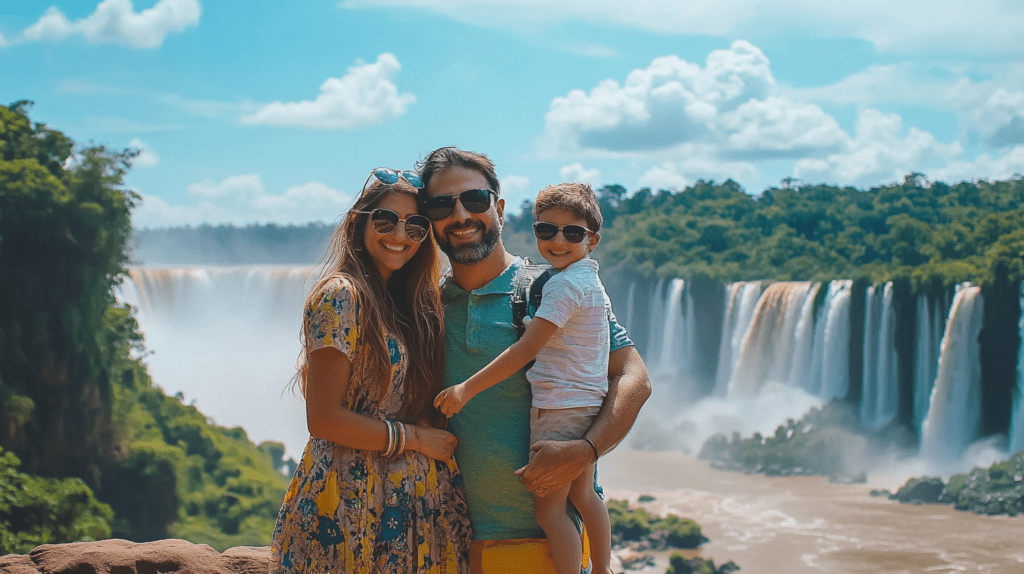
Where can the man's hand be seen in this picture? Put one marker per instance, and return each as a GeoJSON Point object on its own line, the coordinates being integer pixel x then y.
{"type": "Point", "coordinates": [452, 399]}
{"type": "Point", "coordinates": [555, 463]}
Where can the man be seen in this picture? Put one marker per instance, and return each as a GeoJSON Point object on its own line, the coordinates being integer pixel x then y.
{"type": "Point", "coordinates": [462, 197]}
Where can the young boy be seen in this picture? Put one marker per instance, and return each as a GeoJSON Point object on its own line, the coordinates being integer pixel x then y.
{"type": "Point", "coordinates": [568, 337]}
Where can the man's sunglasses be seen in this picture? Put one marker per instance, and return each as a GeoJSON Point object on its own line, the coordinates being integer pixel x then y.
{"type": "Point", "coordinates": [441, 206]}
{"type": "Point", "coordinates": [385, 221]}
{"type": "Point", "coordinates": [389, 176]}
{"type": "Point", "coordinates": [572, 233]}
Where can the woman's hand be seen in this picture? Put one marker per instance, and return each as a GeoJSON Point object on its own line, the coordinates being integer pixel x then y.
{"type": "Point", "coordinates": [435, 443]}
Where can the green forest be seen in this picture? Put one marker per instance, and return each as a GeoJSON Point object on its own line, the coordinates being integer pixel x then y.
{"type": "Point", "coordinates": [91, 448]}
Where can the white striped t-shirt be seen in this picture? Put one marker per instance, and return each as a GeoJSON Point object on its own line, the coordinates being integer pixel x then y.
{"type": "Point", "coordinates": [572, 368]}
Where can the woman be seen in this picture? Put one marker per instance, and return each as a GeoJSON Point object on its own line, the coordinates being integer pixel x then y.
{"type": "Point", "coordinates": [376, 490]}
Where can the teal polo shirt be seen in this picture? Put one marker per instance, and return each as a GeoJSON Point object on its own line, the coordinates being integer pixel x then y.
{"type": "Point", "coordinates": [494, 428]}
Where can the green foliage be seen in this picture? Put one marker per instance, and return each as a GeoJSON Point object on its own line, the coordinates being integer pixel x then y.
{"type": "Point", "coordinates": [36, 511]}
{"type": "Point", "coordinates": [182, 476]}
{"type": "Point", "coordinates": [75, 398]}
{"type": "Point", "coordinates": [933, 234]}
{"type": "Point", "coordinates": [633, 524]}
{"type": "Point", "coordinates": [64, 225]}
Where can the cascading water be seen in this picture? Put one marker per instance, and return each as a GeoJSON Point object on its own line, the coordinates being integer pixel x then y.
{"type": "Point", "coordinates": [742, 299]}
{"type": "Point", "coordinates": [1017, 419]}
{"type": "Point", "coordinates": [766, 351]}
{"type": "Point", "coordinates": [955, 406]}
{"type": "Point", "coordinates": [880, 383]}
{"type": "Point", "coordinates": [227, 339]}
{"type": "Point", "coordinates": [830, 374]}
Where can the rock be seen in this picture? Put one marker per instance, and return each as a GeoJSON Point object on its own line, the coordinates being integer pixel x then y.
{"type": "Point", "coordinates": [124, 557]}
{"type": "Point", "coordinates": [920, 490]}
{"type": "Point", "coordinates": [881, 493]}
{"type": "Point", "coordinates": [632, 560]}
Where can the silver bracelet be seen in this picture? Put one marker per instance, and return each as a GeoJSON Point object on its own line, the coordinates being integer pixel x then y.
{"type": "Point", "coordinates": [390, 446]}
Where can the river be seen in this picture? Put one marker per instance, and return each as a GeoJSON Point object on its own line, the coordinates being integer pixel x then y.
{"type": "Point", "coordinates": [804, 525]}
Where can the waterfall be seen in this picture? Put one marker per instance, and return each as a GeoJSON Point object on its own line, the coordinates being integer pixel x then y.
{"type": "Point", "coordinates": [830, 374]}
{"type": "Point", "coordinates": [675, 354]}
{"type": "Point", "coordinates": [766, 351]}
{"type": "Point", "coordinates": [880, 386]}
{"type": "Point", "coordinates": [1017, 422]}
{"type": "Point", "coordinates": [955, 405]}
{"type": "Point", "coordinates": [741, 300]}
{"type": "Point", "coordinates": [630, 301]}
{"type": "Point", "coordinates": [227, 339]}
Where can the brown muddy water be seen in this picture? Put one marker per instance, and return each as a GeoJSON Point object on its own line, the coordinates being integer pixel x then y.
{"type": "Point", "coordinates": [804, 525]}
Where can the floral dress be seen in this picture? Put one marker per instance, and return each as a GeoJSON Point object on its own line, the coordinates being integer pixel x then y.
{"type": "Point", "coordinates": [349, 510]}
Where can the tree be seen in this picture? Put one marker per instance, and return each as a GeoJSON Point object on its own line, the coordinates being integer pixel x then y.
{"type": "Point", "coordinates": [64, 224]}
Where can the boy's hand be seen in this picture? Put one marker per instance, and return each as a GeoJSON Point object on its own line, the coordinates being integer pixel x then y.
{"type": "Point", "coordinates": [452, 399]}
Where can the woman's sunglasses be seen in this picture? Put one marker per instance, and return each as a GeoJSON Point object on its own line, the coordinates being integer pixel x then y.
{"type": "Point", "coordinates": [385, 221]}
{"type": "Point", "coordinates": [441, 206]}
{"type": "Point", "coordinates": [572, 233]}
{"type": "Point", "coordinates": [389, 176]}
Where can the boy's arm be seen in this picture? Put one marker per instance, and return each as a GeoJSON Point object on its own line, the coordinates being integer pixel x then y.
{"type": "Point", "coordinates": [556, 463]}
{"type": "Point", "coordinates": [538, 332]}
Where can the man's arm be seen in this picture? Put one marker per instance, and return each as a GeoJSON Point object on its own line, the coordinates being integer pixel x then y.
{"type": "Point", "coordinates": [556, 463]}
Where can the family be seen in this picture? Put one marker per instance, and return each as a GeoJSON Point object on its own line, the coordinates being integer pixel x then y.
{"type": "Point", "coordinates": [432, 449]}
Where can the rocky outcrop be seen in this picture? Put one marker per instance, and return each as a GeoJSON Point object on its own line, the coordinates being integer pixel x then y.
{"type": "Point", "coordinates": [124, 557]}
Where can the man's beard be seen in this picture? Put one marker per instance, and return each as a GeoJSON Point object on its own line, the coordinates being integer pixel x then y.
{"type": "Point", "coordinates": [471, 253]}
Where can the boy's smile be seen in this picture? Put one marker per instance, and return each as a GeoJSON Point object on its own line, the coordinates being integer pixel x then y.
{"type": "Point", "coordinates": [557, 251]}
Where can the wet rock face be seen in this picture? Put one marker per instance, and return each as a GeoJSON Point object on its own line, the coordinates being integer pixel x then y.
{"type": "Point", "coordinates": [124, 557]}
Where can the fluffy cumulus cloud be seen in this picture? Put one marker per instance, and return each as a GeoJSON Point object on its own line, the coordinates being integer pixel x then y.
{"type": "Point", "coordinates": [576, 172]}
{"type": "Point", "coordinates": [365, 96]}
{"type": "Point", "coordinates": [241, 200]}
{"type": "Point", "coordinates": [116, 21]}
{"type": "Point", "coordinates": [731, 103]}
{"type": "Point", "coordinates": [146, 156]}
{"type": "Point", "coordinates": [881, 152]}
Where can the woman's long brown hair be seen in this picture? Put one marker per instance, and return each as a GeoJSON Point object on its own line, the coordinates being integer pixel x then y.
{"type": "Point", "coordinates": [408, 308]}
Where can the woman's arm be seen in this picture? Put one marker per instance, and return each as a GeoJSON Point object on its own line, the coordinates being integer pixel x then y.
{"type": "Point", "coordinates": [556, 463]}
{"type": "Point", "coordinates": [538, 332]}
{"type": "Point", "coordinates": [327, 380]}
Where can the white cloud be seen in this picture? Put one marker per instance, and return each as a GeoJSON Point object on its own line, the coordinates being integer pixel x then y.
{"type": "Point", "coordinates": [576, 172]}
{"type": "Point", "coordinates": [731, 103]}
{"type": "Point", "coordinates": [146, 157]}
{"type": "Point", "coordinates": [3, 41]}
{"type": "Point", "coordinates": [241, 200]}
{"type": "Point", "coordinates": [1000, 118]}
{"type": "Point", "coordinates": [880, 153]}
{"type": "Point", "coordinates": [115, 21]}
{"type": "Point", "coordinates": [910, 26]}
{"type": "Point", "coordinates": [1009, 165]}
{"type": "Point", "coordinates": [240, 187]}
{"type": "Point", "coordinates": [514, 185]}
{"type": "Point", "coordinates": [365, 96]}
{"type": "Point", "coordinates": [664, 176]}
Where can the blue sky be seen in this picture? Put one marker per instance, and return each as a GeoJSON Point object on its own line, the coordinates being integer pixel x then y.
{"type": "Point", "coordinates": [275, 112]}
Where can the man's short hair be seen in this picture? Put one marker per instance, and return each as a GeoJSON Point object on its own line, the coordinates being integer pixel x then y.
{"type": "Point", "coordinates": [577, 197]}
{"type": "Point", "coordinates": [451, 156]}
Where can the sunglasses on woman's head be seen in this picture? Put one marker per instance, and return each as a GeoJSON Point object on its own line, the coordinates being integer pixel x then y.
{"type": "Point", "coordinates": [385, 221]}
{"type": "Point", "coordinates": [474, 200]}
{"type": "Point", "coordinates": [572, 233]}
{"type": "Point", "coordinates": [389, 176]}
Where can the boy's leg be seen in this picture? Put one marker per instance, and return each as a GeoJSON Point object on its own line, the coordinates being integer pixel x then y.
{"type": "Point", "coordinates": [563, 537]}
{"type": "Point", "coordinates": [595, 517]}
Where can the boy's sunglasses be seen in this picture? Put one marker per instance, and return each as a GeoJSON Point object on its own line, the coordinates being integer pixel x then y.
{"type": "Point", "coordinates": [389, 176]}
{"type": "Point", "coordinates": [385, 221]}
{"type": "Point", "coordinates": [572, 233]}
{"type": "Point", "coordinates": [441, 206]}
